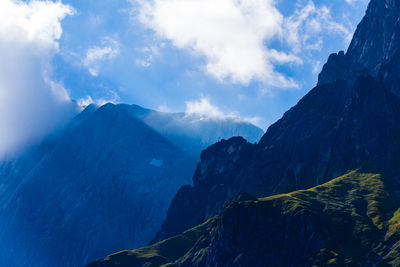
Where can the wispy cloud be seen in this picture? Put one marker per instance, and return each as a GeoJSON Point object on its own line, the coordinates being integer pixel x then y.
{"type": "Point", "coordinates": [97, 55]}
{"type": "Point", "coordinates": [112, 97]}
{"type": "Point", "coordinates": [306, 28]}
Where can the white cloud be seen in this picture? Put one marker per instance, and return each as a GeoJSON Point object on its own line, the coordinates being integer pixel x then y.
{"type": "Point", "coordinates": [31, 103]}
{"type": "Point", "coordinates": [317, 67]}
{"type": "Point", "coordinates": [205, 108]}
{"type": "Point", "coordinates": [144, 62]}
{"type": "Point", "coordinates": [97, 55]}
{"type": "Point", "coordinates": [352, 2]}
{"type": "Point", "coordinates": [148, 54]}
{"type": "Point", "coordinates": [231, 35]}
{"type": "Point", "coordinates": [306, 27]}
{"type": "Point", "coordinates": [112, 97]}
{"type": "Point", "coordinates": [85, 101]}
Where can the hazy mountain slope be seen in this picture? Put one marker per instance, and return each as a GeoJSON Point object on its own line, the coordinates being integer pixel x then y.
{"type": "Point", "coordinates": [103, 185]}
{"type": "Point", "coordinates": [194, 132]}
{"type": "Point", "coordinates": [346, 222]}
{"type": "Point", "coordinates": [350, 120]}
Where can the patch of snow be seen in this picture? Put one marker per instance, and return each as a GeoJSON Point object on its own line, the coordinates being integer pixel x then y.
{"type": "Point", "coordinates": [156, 162]}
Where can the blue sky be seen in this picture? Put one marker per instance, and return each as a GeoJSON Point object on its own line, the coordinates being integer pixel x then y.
{"type": "Point", "coordinates": [252, 59]}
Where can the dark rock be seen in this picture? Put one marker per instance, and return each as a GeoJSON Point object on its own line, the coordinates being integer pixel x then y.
{"type": "Point", "coordinates": [213, 186]}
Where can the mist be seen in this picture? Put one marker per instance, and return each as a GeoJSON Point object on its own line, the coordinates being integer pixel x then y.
{"type": "Point", "coordinates": [31, 104]}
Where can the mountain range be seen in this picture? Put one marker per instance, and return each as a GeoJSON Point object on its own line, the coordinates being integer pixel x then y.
{"type": "Point", "coordinates": [101, 184]}
{"type": "Point", "coordinates": [320, 188]}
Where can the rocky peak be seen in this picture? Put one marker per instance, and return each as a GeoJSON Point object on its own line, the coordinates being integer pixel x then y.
{"type": "Point", "coordinates": [375, 47]}
{"type": "Point", "coordinates": [376, 41]}
{"type": "Point", "coordinates": [221, 157]}
{"type": "Point", "coordinates": [337, 67]}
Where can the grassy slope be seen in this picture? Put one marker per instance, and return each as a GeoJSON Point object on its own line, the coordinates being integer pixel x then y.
{"type": "Point", "coordinates": [356, 209]}
{"type": "Point", "coordinates": [161, 253]}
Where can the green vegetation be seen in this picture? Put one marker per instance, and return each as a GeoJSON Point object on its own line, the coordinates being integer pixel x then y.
{"type": "Point", "coordinates": [355, 208]}
{"type": "Point", "coordinates": [355, 194]}
{"type": "Point", "coordinates": [355, 212]}
{"type": "Point", "coordinates": [157, 254]}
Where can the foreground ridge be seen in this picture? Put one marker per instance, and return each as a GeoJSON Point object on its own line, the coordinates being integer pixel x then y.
{"type": "Point", "coordinates": [350, 220]}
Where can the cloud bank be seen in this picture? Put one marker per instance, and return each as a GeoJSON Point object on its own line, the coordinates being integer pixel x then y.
{"type": "Point", "coordinates": [230, 34]}
{"type": "Point", "coordinates": [236, 37]}
{"type": "Point", "coordinates": [31, 103]}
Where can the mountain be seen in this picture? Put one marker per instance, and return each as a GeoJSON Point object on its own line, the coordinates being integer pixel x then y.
{"type": "Point", "coordinates": [194, 132]}
{"type": "Point", "coordinates": [102, 184]}
{"type": "Point", "coordinates": [349, 121]}
{"type": "Point", "coordinates": [348, 221]}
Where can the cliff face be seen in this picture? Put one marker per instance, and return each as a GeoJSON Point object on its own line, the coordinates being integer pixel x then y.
{"type": "Point", "coordinates": [350, 120]}
{"type": "Point", "coordinates": [374, 48]}
{"type": "Point", "coordinates": [213, 185]}
{"type": "Point", "coordinates": [376, 42]}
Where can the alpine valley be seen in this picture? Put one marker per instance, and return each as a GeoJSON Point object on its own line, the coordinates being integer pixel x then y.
{"type": "Point", "coordinates": [321, 187]}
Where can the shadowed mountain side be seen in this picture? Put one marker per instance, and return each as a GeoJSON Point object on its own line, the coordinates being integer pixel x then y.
{"type": "Point", "coordinates": [349, 221]}
{"type": "Point", "coordinates": [350, 120]}
{"type": "Point", "coordinates": [334, 128]}
{"type": "Point", "coordinates": [104, 184]}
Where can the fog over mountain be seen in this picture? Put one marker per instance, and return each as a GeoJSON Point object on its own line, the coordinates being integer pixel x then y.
{"type": "Point", "coordinates": [32, 104]}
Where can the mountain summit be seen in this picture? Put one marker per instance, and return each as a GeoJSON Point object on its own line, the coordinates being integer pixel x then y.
{"type": "Point", "coordinates": [374, 49]}
{"type": "Point", "coordinates": [349, 121]}
{"type": "Point", "coordinates": [376, 42]}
